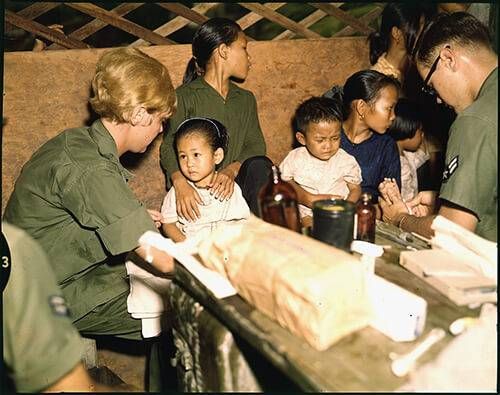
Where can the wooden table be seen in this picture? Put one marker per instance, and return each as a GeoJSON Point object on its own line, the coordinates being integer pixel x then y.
{"type": "Point", "coordinates": [359, 361]}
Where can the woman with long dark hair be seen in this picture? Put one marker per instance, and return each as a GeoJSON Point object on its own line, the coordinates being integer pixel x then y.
{"type": "Point", "coordinates": [368, 99]}
{"type": "Point", "coordinates": [391, 46]}
{"type": "Point", "coordinates": [219, 55]}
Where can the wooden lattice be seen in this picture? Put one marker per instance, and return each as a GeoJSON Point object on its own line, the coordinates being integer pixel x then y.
{"type": "Point", "coordinates": [116, 17]}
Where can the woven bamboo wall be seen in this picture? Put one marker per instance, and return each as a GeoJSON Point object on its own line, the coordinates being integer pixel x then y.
{"type": "Point", "coordinates": [46, 92]}
{"type": "Point", "coordinates": [132, 18]}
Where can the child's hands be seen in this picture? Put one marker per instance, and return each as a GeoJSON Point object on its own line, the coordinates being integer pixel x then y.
{"type": "Point", "coordinates": [156, 217]}
{"type": "Point", "coordinates": [222, 184]}
{"type": "Point", "coordinates": [390, 191]}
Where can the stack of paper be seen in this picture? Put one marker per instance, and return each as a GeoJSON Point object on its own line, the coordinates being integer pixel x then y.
{"type": "Point", "coordinates": [461, 265]}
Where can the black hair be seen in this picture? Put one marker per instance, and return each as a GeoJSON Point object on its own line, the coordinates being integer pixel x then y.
{"type": "Point", "coordinates": [208, 37]}
{"type": "Point", "coordinates": [461, 28]}
{"type": "Point", "coordinates": [212, 130]}
{"type": "Point", "coordinates": [365, 85]}
{"type": "Point", "coordinates": [316, 109]}
{"type": "Point", "coordinates": [407, 121]}
{"type": "Point", "coordinates": [404, 16]}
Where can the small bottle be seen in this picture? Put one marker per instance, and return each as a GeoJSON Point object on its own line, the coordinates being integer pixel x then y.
{"type": "Point", "coordinates": [365, 218]}
{"type": "Point", "coordinates": [278, 202]}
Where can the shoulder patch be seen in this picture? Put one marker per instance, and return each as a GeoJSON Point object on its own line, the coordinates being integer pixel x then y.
{"type": "Point", "coordinates": [58, 305]}
{"type": "Point", "coordinates": [450, 168]}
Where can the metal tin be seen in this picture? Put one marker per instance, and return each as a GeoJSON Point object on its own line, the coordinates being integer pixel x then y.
{"type": "Point", "coordinates": [333, 222]}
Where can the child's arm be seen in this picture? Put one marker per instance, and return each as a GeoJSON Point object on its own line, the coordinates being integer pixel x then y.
{"type": "Point", "coordinates": [308, 198]}
{"type": "Point", "coordinates": [354, 192]}
{"type": "Point", "coordinates": [173, 232]}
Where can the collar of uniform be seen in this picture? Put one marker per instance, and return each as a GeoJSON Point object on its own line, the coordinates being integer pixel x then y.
{"type": "Point", "coordinates": [107, 146]}
{"type": "Point", "coordinates": [200, 83]}
{"type": "Point", "coordinates": [492, 79]}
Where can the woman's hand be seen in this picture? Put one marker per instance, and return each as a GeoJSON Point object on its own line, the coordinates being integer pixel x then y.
{"type": "Point", "coordinates": [222, 183]}
{"type": "Point", "coordinates": [156, 217]}
{"type": "Point", "coordinates": [187, 200]}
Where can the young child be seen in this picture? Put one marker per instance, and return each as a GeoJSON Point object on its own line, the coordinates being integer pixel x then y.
{"type": "Point", "coordinates": [406, 129]}
{"type": "Point", "coordinates": [200, 145]}
{"type": "Point", "coordinates": [320, 169]}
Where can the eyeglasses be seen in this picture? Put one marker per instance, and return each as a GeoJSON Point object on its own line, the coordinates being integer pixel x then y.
{"type": "Point", "coordinates": [427, 88]}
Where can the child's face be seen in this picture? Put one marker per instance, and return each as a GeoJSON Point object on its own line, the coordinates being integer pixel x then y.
{"type": "Point", "coordinates": [321, 139]}
{"type": "Point", "coordinates": [414, 143]}
{"type": "Point", "coordinates": [379, 115]}
{"type": "Point", "coordinates": [197, 160]}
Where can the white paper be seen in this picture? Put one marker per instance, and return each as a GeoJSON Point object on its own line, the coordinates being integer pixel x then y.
{"type": "Point", "coordinates": [217, 284]}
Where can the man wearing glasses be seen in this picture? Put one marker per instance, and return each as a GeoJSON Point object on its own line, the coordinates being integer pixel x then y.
{"type": "Point", "coordinates": [455, 58]}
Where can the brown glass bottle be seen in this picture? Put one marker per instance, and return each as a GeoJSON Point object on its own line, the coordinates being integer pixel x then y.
{"type": "Point", "coordinates": [365, 218]}
{"type": "Point", "coordinates": [278, 202]}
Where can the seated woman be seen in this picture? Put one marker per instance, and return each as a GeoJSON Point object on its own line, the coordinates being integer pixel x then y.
{"type": "Point", "coordinates": [219, 54]}
{"type": "Point", "coordinates": [369, 99]}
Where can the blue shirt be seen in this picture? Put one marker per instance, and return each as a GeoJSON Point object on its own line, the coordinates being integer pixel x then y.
{"type": "Point", "coordinates": [378, 157]}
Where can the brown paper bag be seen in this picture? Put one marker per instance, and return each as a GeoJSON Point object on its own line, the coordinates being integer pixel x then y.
{"type": "Point", "coordinates": [316, 291]}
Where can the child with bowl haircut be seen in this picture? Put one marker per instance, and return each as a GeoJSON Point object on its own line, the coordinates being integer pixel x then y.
{"type": "Point", "coordinates": [406, 130]}
{"type": "Point", "coordinates": [320, 167]}
{"type": "Point", "coordinates": [200, 144]}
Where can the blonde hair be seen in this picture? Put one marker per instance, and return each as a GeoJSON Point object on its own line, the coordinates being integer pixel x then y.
{"type": "Point", "coordinates": [126, 78]}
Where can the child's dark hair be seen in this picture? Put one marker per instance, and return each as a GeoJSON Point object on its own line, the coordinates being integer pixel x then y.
{"type": "Point", "coordinates": [316, 109]}
{"type": "Point", "coordinates": [212, 130]}
{"type": "Point", "coordinates": [365, 85]}
{"type": "Point", "coordinates": [208, 37]}
{"type": "Point", "coordinates": [404, 16]}
{"type": "Point", "coordinates": [407, 120]}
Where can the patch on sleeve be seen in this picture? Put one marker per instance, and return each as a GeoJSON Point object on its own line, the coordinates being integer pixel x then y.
{"type": "Point", "coordinates": [450, 169]}
{"type": "Point", "coordinates": [58, 305]}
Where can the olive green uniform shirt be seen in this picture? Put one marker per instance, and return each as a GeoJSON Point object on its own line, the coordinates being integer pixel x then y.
{"type": "Point", "coordinates": [40, 344]}
{"type": "Point", "coordinates": [72, 197]}
{"type": "Point", "coordinates": [470, 179]}
{"type": "Point", "coordinates": [238, 113]}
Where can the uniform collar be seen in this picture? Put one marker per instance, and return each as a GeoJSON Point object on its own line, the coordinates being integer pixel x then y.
{"type": "Point", "coordinates": [106, 146]}
{"type": "Point", "coordinates": [492, 79]}
{"type": "Point", "coordinates": [200, 83]}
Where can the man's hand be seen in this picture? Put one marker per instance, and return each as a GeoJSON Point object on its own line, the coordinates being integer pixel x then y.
{"type": "Point", "coordinates": [423, 204]}
{"type": "Point", "coordinates": [222, 183]}
{"type": "Point", "coordinates": [187, 199]}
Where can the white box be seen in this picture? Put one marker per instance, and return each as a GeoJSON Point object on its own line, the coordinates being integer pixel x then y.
{"type": "Point", "coordinates": [398, 313]}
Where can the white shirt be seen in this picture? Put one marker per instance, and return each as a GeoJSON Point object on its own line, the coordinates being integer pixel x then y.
{"type": "Point", "coordinates": [320, 176]}
{"type": "Point", "coordinates": [213, 213]}
{"type": "Point", "coordinates": [410, 162]}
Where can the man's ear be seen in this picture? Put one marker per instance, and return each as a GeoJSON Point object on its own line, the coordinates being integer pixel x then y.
{"type": "Point", "coordinates": [140, 117]}
{"type": "Point", "coordinates": [218, 155]}
{"type": "Point", "coordinates": [448, 57]}
{"type": "Point", "coordinates": [300, 138]}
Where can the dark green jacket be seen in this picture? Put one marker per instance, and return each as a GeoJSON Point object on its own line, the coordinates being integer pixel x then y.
{"type": "Point", "coordinates": [471, 174]}
{"type": "Point", "coordinates": [238, 113]}
{"type": "Point", "coordinates": [40, 344]}
{"type": "Point", "coordinates": [72, 197]}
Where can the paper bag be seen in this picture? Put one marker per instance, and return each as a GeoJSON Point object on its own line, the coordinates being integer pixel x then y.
{"type": "Point", "coordinates": [316, 291]}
